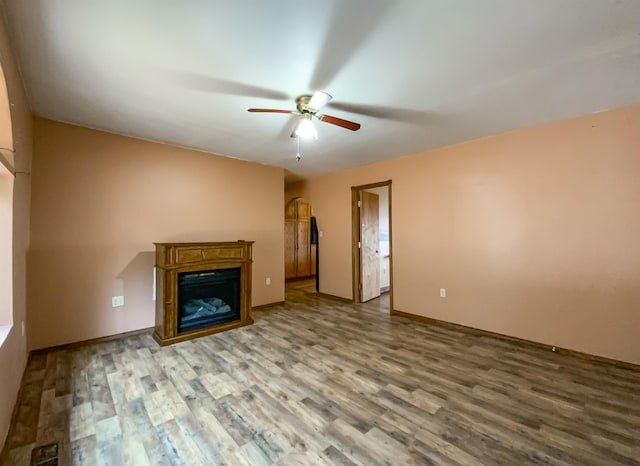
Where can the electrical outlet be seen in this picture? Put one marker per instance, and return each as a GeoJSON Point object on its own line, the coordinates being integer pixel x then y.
{"type": "Point", "coordinates": [117, 301]}
{"type": "Point", "coordinates": [268, 281]}
{"type": "Point", "coordinates": [443, 292]}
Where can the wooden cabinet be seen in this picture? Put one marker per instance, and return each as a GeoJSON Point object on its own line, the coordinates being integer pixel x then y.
{"type": "Point", "coordinates": [299, 253]}
{"type": "Point", "coordinates": [303, 249]}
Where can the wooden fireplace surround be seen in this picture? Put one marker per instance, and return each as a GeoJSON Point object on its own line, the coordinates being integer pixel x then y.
{"type": "Point", "coordinates": [175, 258]}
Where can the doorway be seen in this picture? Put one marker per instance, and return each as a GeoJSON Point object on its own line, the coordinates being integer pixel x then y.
{"type": "Point", "coordinates": [371, 244]}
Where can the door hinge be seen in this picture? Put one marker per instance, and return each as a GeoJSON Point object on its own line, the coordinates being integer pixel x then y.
{"type": "Point", "coordinates": [358, 244]}
{"type": "Point", "coordinates": [359, 204]}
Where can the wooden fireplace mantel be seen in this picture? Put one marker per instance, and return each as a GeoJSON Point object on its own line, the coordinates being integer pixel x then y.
{"type": "Point", "coordinates": [175, 258]}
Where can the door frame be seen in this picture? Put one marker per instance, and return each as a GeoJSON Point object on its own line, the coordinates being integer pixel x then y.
{"type": "Point", "coordinates": [356, 275]}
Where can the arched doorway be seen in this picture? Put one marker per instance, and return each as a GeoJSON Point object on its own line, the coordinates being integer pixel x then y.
{"type": "Point", "coordinates": [6, 132]}
{"type": "Point", "coordinates": [7, 170]}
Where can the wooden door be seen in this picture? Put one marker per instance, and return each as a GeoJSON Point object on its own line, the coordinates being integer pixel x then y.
{"type": "Point", "coordinates": [303, 256]}
{"type": "Point", "coordinates": [290, 227]}
{"type": "Point", "coordinates": [369, 246]}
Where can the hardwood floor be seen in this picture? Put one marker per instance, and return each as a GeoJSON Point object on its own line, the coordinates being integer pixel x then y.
{"type": "Point", "coordinates": [316, 381]}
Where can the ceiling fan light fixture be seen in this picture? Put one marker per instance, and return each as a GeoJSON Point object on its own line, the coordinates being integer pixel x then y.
{"type": "Point", "coordinates": [306, 129]}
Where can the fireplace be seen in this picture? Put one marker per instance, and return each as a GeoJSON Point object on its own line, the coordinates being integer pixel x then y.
{"type": "Point", "coordinates": [201, 288]}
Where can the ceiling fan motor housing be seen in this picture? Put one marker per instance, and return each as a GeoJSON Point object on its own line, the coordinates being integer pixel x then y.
{"type": "Point", "coordinates": [302, 104]}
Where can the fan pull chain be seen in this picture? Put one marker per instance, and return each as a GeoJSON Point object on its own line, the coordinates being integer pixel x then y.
{"type": "Point", "coordinates": [298, 156]}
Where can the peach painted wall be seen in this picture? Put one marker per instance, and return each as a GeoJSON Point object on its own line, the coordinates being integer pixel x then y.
{"type": "Point", "coordinates": [533, 233]}
{"type": "Point", "coordinates": [13, 351]}
{"type": "Point", "coordinates": [101, 200]}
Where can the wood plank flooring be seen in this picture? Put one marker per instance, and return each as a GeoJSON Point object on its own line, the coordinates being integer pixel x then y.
{"type": "Point", "coordinates": [316, 381]}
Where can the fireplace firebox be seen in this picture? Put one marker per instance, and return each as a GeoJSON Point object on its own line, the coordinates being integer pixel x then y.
{"type": "Point", "coordinates": [201, 288]}
{"type": "Point", "coordinates": [208, 298]}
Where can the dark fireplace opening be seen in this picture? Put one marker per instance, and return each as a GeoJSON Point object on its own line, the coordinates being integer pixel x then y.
{"type": "Point", "coordinates": [208, 297]}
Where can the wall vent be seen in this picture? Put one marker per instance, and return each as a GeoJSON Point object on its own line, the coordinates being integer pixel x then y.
{"type": "Point", "coordinates": [45, 455]}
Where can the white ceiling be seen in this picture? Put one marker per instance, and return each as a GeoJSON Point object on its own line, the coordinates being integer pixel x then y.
{"type": "Point", "coordinates": [416, 74]}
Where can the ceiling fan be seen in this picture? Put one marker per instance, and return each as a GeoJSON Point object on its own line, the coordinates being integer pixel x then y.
{"type": "Point", "coordinates": [308, 106]}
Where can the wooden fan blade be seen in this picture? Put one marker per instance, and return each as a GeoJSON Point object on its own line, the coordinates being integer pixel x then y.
{"type": "Point", "coordinates": [206, 83]}
{"type": "Point", "coordinates": [270, 110]}
{"type": "Point", "coordinates": [389, 113]}
{"type": "Point", "coordinates": [339, 122]}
